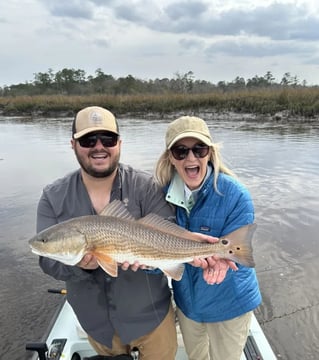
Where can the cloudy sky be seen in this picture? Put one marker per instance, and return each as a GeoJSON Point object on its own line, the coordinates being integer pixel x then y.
{"type": "Point", "coordinates": [217, 40]}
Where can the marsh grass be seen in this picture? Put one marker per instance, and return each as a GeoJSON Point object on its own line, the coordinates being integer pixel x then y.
{"type": "Point", "coordinates": [300, 101]}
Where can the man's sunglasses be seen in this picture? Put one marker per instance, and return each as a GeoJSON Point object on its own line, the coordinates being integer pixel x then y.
{"type": "Point", "coordinates": [180, 152]}
{"type": "Point", "coordinates": [90, 140]}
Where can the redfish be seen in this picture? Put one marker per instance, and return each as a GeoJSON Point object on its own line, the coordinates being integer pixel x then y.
{"type": "Point", "coordinates": [115, 237]}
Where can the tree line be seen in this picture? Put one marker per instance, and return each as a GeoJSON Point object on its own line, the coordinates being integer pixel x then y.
{"type": "Point", "coordinates": [77, 82]}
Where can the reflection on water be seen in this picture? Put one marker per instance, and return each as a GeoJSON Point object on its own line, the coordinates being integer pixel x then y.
{"type": "Point", "coordinates": [278, 163]}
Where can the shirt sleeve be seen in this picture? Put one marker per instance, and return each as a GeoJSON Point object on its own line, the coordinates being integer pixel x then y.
{"type": "Point", "coordinates": [46, 218]}
{"type": "Point", "coordinates": [45, 214]}
{"type": "Point", "coordinates": [153, 201]}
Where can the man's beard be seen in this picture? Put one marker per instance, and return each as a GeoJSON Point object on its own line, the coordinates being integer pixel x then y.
{"type": "Point", "coordinates": [99, 174]}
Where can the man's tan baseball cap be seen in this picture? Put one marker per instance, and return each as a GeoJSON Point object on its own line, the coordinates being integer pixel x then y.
{"type": "Point", "coordinates": [93, 118]}
{"type": "Point", "coordinates": [187, 126]}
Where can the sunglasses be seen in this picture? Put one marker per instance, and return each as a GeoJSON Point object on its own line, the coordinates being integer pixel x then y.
{"type": "Point", "coordinates": [180, 152]}
{"type": "Point", "coordinates": [90, 140]}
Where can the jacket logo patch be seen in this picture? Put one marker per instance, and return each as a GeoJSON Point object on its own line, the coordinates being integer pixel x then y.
{"type": "Point", "coordinates": [204, 228]}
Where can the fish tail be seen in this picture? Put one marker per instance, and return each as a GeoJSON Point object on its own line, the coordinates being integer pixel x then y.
{"type": "Point", "coordinates": [240, 247]}
{"type": "Point", "coordinates": [244, 256]}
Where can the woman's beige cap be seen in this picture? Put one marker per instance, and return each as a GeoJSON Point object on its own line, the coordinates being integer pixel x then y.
{"type": "Point", "coordinates": [93, 118]}
{"type": "Point", "coordinates": [187, 126]}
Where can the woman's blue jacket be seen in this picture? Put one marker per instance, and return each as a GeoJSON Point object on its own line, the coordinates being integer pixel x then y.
{"type": "Point", "coordinates": [217, 214]}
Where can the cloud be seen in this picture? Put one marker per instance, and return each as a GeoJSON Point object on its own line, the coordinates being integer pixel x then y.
{"type": "Point", "coordinates": [186, 10]}
{"type": "Point", "coordinates": [75, 9]}
{"type": "Point", "coordinates": [217, 40]}
{"type": "Point", "coordinates": [275, 21]}
{"type": "Point", "coordinates": [253, 48]}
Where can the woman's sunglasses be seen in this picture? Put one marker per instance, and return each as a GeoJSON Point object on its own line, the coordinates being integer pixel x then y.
{"type": "Point", "coordinates": [90, 140]}
{"type": "Point", "coordinates": [180, 152]}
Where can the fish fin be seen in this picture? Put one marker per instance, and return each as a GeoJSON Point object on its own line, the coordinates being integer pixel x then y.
{"type": "Point", "coordinates": [108, 264]}
{"type": "Point", "coordinates": [116, 209]}
{"type": "Point", "coordinates": [240, 249]}
{"type": "Point", "coordinates": [157, 222]}
{"type": "Point", "coordinates": [175, 272]}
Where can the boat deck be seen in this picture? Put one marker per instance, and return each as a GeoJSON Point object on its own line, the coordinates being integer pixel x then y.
{"type": "Point", "coordinates": [257, 347]}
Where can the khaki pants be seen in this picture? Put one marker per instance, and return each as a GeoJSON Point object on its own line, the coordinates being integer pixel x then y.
{"type": "Point", "coordinates": [214, 341]}
{"type": "Point", "coordinates": [160, 344]}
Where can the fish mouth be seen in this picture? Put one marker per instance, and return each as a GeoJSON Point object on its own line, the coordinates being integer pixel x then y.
{"type": "Point", "coordinates": [68, 259]}
{"type": "Point", "coordinates": [40, 253]}
{"type": "Point", "coordinates": [35, 251]}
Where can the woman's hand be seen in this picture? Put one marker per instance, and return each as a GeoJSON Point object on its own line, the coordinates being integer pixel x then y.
{"type": "Point", "coordinates": [217, 269]}
{"type": "Point", "coordinates": [214, 268]}
{"type": "Point", "coordinates": [205, 238]}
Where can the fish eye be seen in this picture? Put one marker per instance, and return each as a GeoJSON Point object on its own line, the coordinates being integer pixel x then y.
{"type": "Point", "coordinates": [224, 241]}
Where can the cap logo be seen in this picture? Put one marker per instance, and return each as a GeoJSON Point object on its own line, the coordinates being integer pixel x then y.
{"type": "Point", "coordinates": [96, 118]}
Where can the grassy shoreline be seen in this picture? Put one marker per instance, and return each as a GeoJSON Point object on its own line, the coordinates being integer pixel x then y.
{"type": "Point", "coordinates": [277, 104]}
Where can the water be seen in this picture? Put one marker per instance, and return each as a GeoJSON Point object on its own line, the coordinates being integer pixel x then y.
{"type": "Point", "coordinates": [278, 163]}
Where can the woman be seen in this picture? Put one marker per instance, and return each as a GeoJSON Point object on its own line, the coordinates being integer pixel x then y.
{"type": "Point", "coordinates": [214, 319]}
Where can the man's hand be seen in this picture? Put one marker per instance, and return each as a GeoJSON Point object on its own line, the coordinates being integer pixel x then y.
{"type": "Point", "coordinates": [134, 267]}
{"type": "Point", "coordinates": [88, 262]}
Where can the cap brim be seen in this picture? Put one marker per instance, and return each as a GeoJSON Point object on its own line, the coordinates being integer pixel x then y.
{"type": "Point", "coordinates": [204, 139]}
{"type": "Point", "coordinates": [93, 129]}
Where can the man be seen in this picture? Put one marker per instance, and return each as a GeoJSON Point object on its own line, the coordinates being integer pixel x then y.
{"type": "Point", "coordinates": [133, 309]}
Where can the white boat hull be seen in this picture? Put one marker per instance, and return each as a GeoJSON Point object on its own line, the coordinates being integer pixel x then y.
{"type": "Point", "coordinates": [66, 327]}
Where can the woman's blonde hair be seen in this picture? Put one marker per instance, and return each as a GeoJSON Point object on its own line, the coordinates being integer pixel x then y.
{"type": "Point", "coordinates": [164, 170]}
